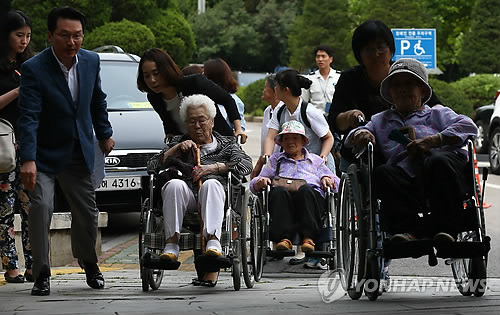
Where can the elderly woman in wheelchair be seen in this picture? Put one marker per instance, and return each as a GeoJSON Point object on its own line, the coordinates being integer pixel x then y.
{"type": "Point", "coordinates": [424, 167]}
{"type": "Point", "coordinates": [420, 179]}
{"type": "Point", "coordinates": [297, 198]}
{"type": "Point", "coordinates": [218, 155]}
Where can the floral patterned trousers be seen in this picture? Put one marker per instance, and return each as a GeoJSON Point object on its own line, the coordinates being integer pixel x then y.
{"type": "Point", "coordinates": [13, 199]}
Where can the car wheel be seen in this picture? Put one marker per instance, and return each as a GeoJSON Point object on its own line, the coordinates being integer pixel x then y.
{"type": "Point", "coordinates": [494, 152]}
{"type": "Point", "coordinates": [481, 141]}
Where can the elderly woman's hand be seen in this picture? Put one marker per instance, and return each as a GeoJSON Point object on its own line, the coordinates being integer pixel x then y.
{"type": "Point", "coordinates": [202, 170]}
{"type": "Point", "coordinates": [261, 183]}
{"type": "Point", "coordinates": [361, 138]}
{"type": "Point", "coordinates": [326, 181]}
{"type": "Point", "coordinates": [419, 146]}
{"type": "Point", "coordinates": [179, 148]}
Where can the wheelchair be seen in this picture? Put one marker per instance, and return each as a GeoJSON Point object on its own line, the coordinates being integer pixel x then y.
{"type": "Point", "coordinates": [235, 239]}
{"type": "Point", "coordinates": [261, 219]}
{"type": "Point", "coordinates": [362, 244]}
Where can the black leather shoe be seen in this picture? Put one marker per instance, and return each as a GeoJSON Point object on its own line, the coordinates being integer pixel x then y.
{"type": "Point", "coordinates": [95, 279]}
{"type": "Point", "coordinates": [41, 286]}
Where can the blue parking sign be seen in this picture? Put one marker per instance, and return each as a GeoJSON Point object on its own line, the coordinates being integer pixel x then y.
{"type": "Point", "coordinates": [414, 43]}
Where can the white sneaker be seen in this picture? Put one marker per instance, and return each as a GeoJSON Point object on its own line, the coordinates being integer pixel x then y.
{"type": "Point", "coordinates": [315, 263]}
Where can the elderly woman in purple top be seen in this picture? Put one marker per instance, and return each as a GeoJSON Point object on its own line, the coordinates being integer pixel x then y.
{"type": "Point", "coordinates": [428, 170]}
{"type": "Point", "coordinates": [299, 211]}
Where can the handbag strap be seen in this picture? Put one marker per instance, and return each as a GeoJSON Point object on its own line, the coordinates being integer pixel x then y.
{"type": "Point", "coordinates": [277, 173]}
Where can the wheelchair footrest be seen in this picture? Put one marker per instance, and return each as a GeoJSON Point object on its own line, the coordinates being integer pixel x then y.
{"type": "Point", "coordinates": [465, 249]}
{"type": "Point", "coordinates": [153, 261]}
{"type": "Point", "coordinates": [205, 263]}
{"type": "Point", "coordinates": [414, 249]}
{"type": "Point", "coordinates": [280, 253]}
{"type": "Point", "coordinates": [320, 254]}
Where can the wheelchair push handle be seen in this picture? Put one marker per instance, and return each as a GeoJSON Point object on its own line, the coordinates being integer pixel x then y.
{"type": "Point", "coordinates": [361, 120]}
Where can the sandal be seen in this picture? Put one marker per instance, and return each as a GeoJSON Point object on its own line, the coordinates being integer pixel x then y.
{"type": "Point", "coordinates": [284, 244]}
{"type": "Point", "coordinates": [307, 245]}
{"type": "Point", "coordinates": [196, 282]}
{"type": "Point", "coordinates": [210, 283]}
{"type": "Point", "coordinates": [17, 279]}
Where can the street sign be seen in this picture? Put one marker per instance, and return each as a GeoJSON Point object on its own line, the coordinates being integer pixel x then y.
{"type": "Point", "coordinates": [414, 43]}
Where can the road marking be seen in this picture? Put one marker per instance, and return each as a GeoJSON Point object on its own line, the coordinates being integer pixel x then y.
{"type": "Point", "coordinates": [493, 186]}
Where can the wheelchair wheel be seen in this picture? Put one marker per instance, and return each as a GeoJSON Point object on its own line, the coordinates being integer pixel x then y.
{"type": "Point", "coordinates": [248, 239]}
{"type": "Point", "coordinates": [149, 223]}
{"type": "Point", "coordinates": [470, 274]}
{"type": "Point", "coordinates": [236, 269]}
{"type": "Point", "coordinates": [372, 283]}
{"type": "Point", "coordinates": [351, 240]}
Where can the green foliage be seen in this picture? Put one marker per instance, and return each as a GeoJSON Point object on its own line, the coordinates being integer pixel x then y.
{"type": "Point", "coordinates": [451, 19]}
{"type": "Point", "coordinates": [96, 13]}
{"type": "Point", "coordinates": [467, 94]}
{"type": "Point", "coordinates": [133, 37]}
{"type": "Point", "coordinates": [396, 14]}
{"type": "Point", "coordinates": [138, 11]}
{"type": "Point", "coordinates": [321, 22]}
{"type": "Point", "coordinates": [479, 89]}
{"type": "Point", "coordinates": [226, 31]}
{"type": "Point", "coordinates": [251, 95]}
{"type": "Point", "coordinates": [273, 22]}
{"type": "Point", "coordinates": [480, 52]}
{"type": "Point", "coordinates": [174, 35]}
{"type": "Point", "coordinates": [452, 97]}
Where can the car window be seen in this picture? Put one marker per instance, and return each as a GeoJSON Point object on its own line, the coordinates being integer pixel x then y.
{"type": "Point", "coordinates": [119, 82]}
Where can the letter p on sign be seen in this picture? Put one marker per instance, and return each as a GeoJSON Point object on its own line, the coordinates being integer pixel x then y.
{"type": "Point", "coordinates": [405, 45]}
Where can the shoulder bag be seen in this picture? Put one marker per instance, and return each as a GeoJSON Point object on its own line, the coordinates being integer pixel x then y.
{"type": "Point", "coordinates": [290, 184]}
{"type": "Point", "coordinates": [7, 147]}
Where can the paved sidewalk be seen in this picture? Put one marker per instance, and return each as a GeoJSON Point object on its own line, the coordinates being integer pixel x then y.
{"type": "Point", "coordinates": [287, 291]}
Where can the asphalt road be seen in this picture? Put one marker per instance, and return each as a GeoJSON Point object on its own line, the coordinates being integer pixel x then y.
{"type": "Point", "coordinates": [122, 227]}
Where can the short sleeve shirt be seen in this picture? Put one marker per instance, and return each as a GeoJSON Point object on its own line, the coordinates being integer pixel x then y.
{"type": "Point", "coordinates": [321, 91]}
{"type": "Point", "coordinates": [319, 125]}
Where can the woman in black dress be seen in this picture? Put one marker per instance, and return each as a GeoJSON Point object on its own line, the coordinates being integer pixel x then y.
{"type": "Point", "coordinates": [15, 35]}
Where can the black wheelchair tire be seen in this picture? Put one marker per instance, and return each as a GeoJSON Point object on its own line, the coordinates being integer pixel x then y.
{"type": "Point", "coordinates": [372, 284]}
{"type": "Point", "coordinates": [150, 277]}
{"type": "Point", "coordinates": [246, 243]}
{"type": "Point", "coordinates": [144, 272]}
{"type": "Point", "coordinates": [236, 269]}
{"type": "Point", "coordinates": [351, 247]}
{"type": "Point", "coordinates": [258, 248]}
{"type": "Point", "coordinates": [478, 270]}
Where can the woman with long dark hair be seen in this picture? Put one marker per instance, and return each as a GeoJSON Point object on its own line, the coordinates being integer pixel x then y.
{"type": "Point", "coordinates": [15, 35]}
{"type": "Point", "coordinates": [166, 86]}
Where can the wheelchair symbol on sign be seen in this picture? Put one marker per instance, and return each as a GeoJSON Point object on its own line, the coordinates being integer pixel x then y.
{"type": "Point", "coordinates": [417, 49]}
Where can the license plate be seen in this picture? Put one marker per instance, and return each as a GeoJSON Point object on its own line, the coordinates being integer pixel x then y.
{"type": "Point", "coordinates": [120, 183]}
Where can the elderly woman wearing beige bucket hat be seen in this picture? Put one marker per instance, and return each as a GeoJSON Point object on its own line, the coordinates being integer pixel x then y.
{"type": "Point", "coordinates": [297, 211]}
{"type": "Point", "coordinates": [426, 170]}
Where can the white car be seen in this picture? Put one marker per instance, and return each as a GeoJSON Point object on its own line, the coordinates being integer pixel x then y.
{"type": "Point", "coordinates": [494, 136]}
{"type": "Point", "coordinates": [137, 131]}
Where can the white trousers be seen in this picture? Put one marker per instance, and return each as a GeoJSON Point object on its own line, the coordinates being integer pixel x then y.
{"type": "Point", "coordinates": [178, 198]}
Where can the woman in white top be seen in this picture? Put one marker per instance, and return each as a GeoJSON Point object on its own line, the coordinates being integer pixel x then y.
{"type": "Point", "coordinates": [288, 90]}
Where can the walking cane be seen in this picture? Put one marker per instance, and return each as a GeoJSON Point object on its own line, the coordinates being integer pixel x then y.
{"type": "Point", "coordinates": [198, 164]}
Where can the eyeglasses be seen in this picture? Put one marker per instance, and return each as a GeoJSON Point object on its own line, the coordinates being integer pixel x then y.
{"type": "Point", "coordinates": [202, 122]}
{"type": "Point", "coordinates": [369, 51]}
{"type": "Point", "coordinates": [75, 37]}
